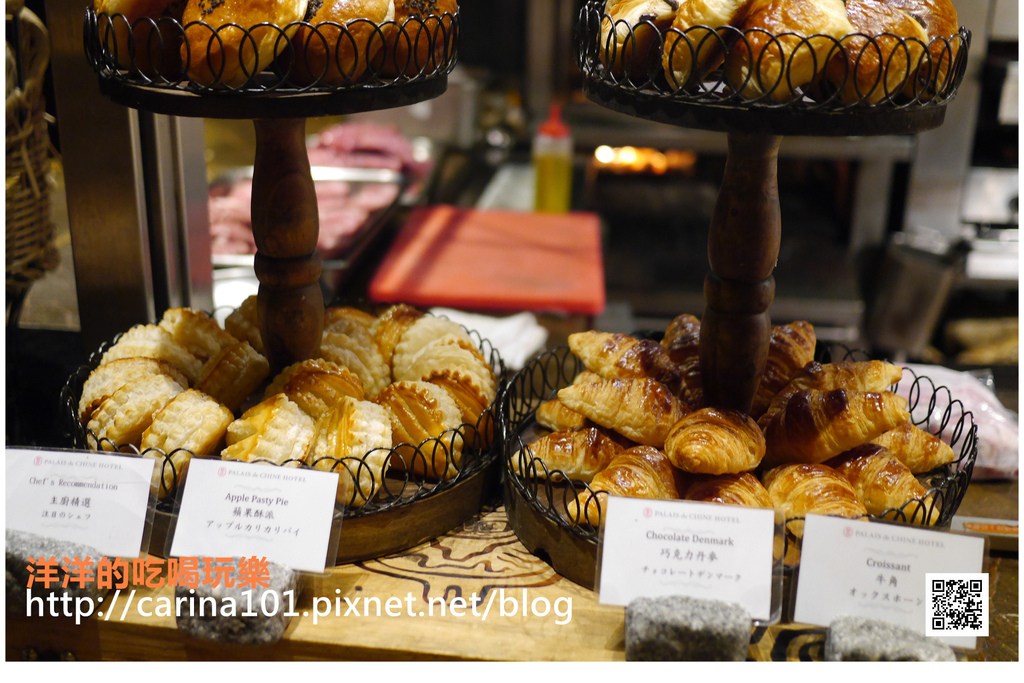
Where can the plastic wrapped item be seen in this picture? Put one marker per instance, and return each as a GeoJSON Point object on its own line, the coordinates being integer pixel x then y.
{"type": "Point", "coordinates": [998, 431]}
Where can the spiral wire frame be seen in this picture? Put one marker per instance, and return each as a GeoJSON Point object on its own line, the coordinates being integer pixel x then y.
{"type": "Point", "coordinates": [631, 58]}
{"type": "Point", "coordinates": [156, 53]}
{"type": "Point", "coordinates": [465, 450]}
{"type": "Point", "coordinates": [549, 492]}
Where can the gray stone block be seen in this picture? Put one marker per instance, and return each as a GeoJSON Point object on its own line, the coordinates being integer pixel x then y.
{"type": "Point", "coordinates": [861, 639]}
{"type": "Point", "coordinates": [228, 614]}
{"type": "Point", "coordinates": [23, 550]}
{"type": "Point", "coordinates": [681, 628]}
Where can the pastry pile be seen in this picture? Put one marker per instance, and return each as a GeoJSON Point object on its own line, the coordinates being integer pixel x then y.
{"type": "Point", "coordinates": [856, 51]}
{"type": "Point", "coordinates": [828, 438]}
{"type": "Point", "coordinates": [226, 43]}
{"type": "Point", "coordinates": [403, 390]}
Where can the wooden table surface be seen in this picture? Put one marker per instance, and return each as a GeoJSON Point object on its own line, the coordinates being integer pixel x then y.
{"type": "Point", "coordinates": [481, 559]}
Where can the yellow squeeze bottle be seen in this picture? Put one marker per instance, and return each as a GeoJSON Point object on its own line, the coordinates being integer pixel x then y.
{"type": "Point", "coordinates": [552, 164]}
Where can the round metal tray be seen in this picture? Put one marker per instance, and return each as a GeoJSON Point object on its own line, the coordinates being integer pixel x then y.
{"type": "Point", "coordinates": [628, 76]}
{"type": "Point", "coordinates": [406, 510]}
{"type": "Point", "coordinates": [536, 507]}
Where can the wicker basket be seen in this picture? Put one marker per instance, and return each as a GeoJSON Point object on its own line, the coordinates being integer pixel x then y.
{"type": "Point", "coordinates": [30, 249]}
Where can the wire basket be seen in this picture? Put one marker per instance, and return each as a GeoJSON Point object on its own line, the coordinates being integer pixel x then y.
{"type": "Point", "coordinates": [300, 57]}
{"type": "Point", "coordinates": [30, 251]}
{"type": "Point", "coordinates": [714, 77]}
{"type": "Point", "coordinates": [547, 494]}
{"type": "Point", "coordinates": [428, 469]}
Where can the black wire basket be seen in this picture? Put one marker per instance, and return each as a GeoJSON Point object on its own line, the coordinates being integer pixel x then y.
{"type": "Point", "coordinates": [460, 458]}
{"type": "Point", "coordinates": [538, 499]}
{"type": "Point", "coordinates": [723, 77]}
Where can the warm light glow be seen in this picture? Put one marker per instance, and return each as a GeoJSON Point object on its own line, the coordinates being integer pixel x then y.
{"type": "Point", "coordinates": [604, 154]}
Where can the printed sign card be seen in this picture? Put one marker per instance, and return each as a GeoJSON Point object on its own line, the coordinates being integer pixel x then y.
{"type": "Point", "coordinates": [96, 499]}
{"type": "Point", "coordinates": [877, 571]}
{"type": "Point", "coordinates": [242, 509]}
{"type": "Point", "coordinates": [717, 552]}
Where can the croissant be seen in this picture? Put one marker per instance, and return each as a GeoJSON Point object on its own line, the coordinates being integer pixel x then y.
{"type": "Point", "coordinates": [612, 355]}
{"type": "Point", "coordinates": [638, 472]}
{"type": "Point", "coordinates": [802, 489]}
{"type": "Point", "coordinates": [554, 415]}
{"type": "Point", "coordinates": [916, 448]}
{"type": "Point", "coordinates": [682, 339]}
{"type": "Point", "coordinates": [790, 348]}
{"type": "Point", "coordinates": [728, 489]}
{"type": "Point", "coordinates": [884, 484]}
{"type": "Point", "coordinates": [643, 410]}
{"type": "Point", "coordinates": [630, 35]}
{"type": "Point", "coordinates": [691, 49]}
{"type": "Point", "coordinates": [715, 441]}
{"type": "Point", "coordinates": [872, 375]}
{"type": "Point", "coordinates": [578, 454]}
{"type": "Point", "coordinates": [817, 425]}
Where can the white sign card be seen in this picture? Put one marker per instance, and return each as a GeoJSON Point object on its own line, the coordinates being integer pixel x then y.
{"type": "Point", "coordinates": [657, 548]}
{"type": "Point", "coordinates": [100, 500]}
{"type": "Point", "coordinates": [283, 514]}
{"type": "Point", "coordinates": [877, 571]}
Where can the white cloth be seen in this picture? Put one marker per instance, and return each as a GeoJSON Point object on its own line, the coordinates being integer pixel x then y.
{"type": "Point", "coordinates": [516, 337]}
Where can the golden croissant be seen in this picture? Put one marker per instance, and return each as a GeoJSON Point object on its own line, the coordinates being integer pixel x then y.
{"type": "Point", "coordinates": [802, 489]}
{"type": "Point", "coordinates": [728, 489]}
{"type": "Point", "coordinates": [577, 454]}
{"type": "Point", "coordinates": [917, 449]}
{"type": "Point", "coordinates": [790, 348]}
{"type": "Point", "coordinates": [682, 340]}
{"type": "Point", "coordinates": [884, 484]}
{"type": "Point", "coordinates": [643, 410]}
{"type": "Point", "coordinates": [638, 472]}
{"type": "Point", "coordinates": [612, 355]}
{"type": "Point", "coordinates": [715, 441]}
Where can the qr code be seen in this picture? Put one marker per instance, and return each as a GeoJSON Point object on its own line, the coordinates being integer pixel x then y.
{"type": "Point", "coordinates": [957, 604]}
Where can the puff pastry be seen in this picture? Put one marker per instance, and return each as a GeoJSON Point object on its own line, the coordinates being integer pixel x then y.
{"type": "Point", "coordinates": [348, 320]}
{"type": "Point", "coordinates": [421, 332]}
{"type": "Point", "coordinates": [388, 328]}
{"type": "Point", "coordinates": [473, 402]}
{"type": "Point", "coordinates": [359, 354]}
{"type": "Point", "coordinates": [691, 51]}
{"type": "Point", "coordinates": [682, 339]}
{"type": "Point", "coordinates": [802, 489]}
{"type": "Point", "coordinates": [153, 341]}
{"type": "Point", "coordinates": [316, 385]}
{"type": "Point", "coordinates": [274, 431]}
{"type": "Point", "coordinates": [243, 323]}
{"type": "Point", "coordinates": [123, 416]}
{"type": "Point", "coordinates": [817, 425]}
{"type": "Point", "coordinates": [425, 422]}
{"type": "Point", "coordinates": [873, 375]}
{"type": "Point", "coordinates": [577, 454]}
{"type": "Point", "coordinates": [353, 438]}
{"type": "Point", "coordinates": [191, 423]}
{"type": "Point", "coordinates": [728, 489]}
{"type": "Point", "coordinates": [197, 332]}
{"type": "Point", "coordinates": [643, 410]}
{"type": "Point", "coordinates": [919, 450]}
{"type": "Point", "coordinates": [884, 484]}
{"type": "Point", "coordinates": [638, 472]}
{"type": "Point", "coordinates": [612, 355]}
{"type": "Point", "coordinates": [452, 352]}
{"type": "Point", "coordinates": [234, 374]}
{"type": "Point", "coordinates": [715, 441]}
{"type": "Point", "coordinates": [109, 377]}
{"type": "Point", "coordinates": [790, 348]}
{"type": "Point", "coordinates": [630, 35]}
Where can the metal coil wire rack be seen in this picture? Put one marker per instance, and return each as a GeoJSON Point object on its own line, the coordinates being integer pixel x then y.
{"type": "Point", "coordinates": [538, 498]}
{"type": "Point", "coordinates": [462, 457]}
{"type": "Point", "coordinates": [724, 78]}
{"type": "Point", "coordinates": [162, 65]}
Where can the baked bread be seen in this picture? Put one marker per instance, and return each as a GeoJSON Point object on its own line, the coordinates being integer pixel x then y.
{"type": "Point", "coordinates": [873, 375]}
{"type": "Point", "coordinates": [919, 450]}
{"type": "Point", "coordinates": [884, 484]}
{"type": "Point", "coordinates": [152, 341]}
{"type": "Point", "coordinates": [228, 42]}
{"type": "Point", "coordinates": [728, 489]}
{"type": "Point", "coordinates": [142, 34]}
{"type": "Point", "coordinates": [691, 50]}
{"type": "Point", "coordinates": [554, 415]}
{"type": "Point", "coordinates": [417, 335]}
{"type": "Point", "coordinates": [940, 22]}
{"type": "Point", "coordinates": [348, 320]}
{"type": "Point", "coordinates": [715, 441]}
{"type": "Point", "coordinates": [342, 39]}
{"type": "Point", "coordinates": [578, 454]}
{"type": "Point", "coordinates": [785, 46]}
{"type": "Point", "coordinates": [631, 35]}
{"type": "Point", "coordinates": [425, 423]}
{"type": "Point", "coordinates": [423, 34]}
{"type": "Point", "coordinates": [612, 355]}
{"type": "Point", "coordinates": [234, 374]}
{"type": "Point", "coordinates": [197, 332]}
{"type": "Point", "coordinates": [274, 431]}
{"type": "Point", "coordinates": [642, 410]}
{"type": "Point", "coordinates": [191, 423]}
{"type": "Point", "coordinates": [449, 352]}
{"type": "Point", "coordinates": [790, 348]}
{"type": "Point", "coordinates": [121, 418]}
{"type": "Point", "coordinates": [818, 425]}
{"type": "Point", "coordinates": [802, 489]}
{"type": "Point", "coordinates": [353, 438]}
{"type": "Point", "coordinates": [682, 339]}
{"type": "Point", "coordinates": [109, 377]}
{"type": "Point", "coordinates": [358, 353]}
{"type": "Point", "coordinates": [878, 62]}
{"type": "Point", "coordinates": [389, 327]}
{"type": "Point", "coordinates": [638, 472]}
{"type": "Point", "coordinates": [316, 385]}
{"type": "Point", "coordinates": [473, 403]}
{"type": "Point", "coordinates": [243, 323]}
